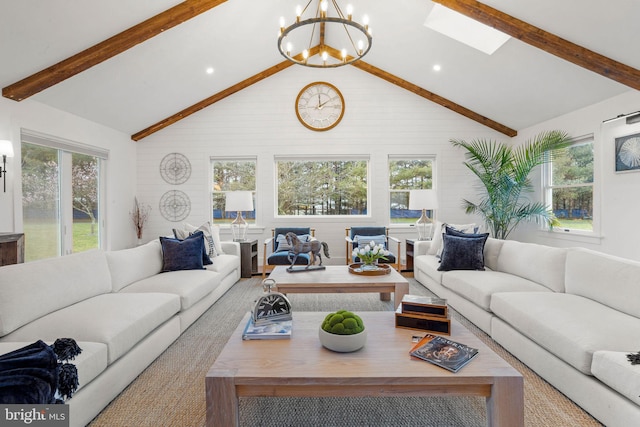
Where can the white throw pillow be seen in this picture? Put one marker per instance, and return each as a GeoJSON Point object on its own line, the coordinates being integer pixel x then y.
{"type": "Point", "coordinates": [439, 229]}
{"type": "Point", "coordinates": [213, 245]}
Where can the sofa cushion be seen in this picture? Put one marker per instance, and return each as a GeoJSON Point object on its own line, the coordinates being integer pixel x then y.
{"type": "Point", "coordinates": [438, 231]}
{"type": "Point", "coordinates": [32, 290]}
{"type": "Point", "coordinates": [613, 369]}
{"type": "Point", "coordinates": [119, 320]}
{"type": "Point", "coordinates": [130, 265]}
{"type": "Point", "coordinates": [478, 286]}
{"type": "Point", "coordinates": [224, 264]}
{"type": "Point", "coordinates": [492, 249]}
{"type": "Point", "coordinates": [604, 278]}
{"type": "Point", "coordinates": [429, 265]}
{"type": "Point", "coordinates": [182, 254]}
{"type": "Point", "coordinates": [190, 285]}
{"type": "Point", "coordinates": [462, 253]}
{"type": "Point", "coordinates": [570, 326]}
{"type": "Point", "coordinates": [541, 264]}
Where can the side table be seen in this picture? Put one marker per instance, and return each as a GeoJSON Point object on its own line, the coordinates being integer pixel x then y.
{"type": "Point", "coordinates": [248, 258]}
{"type": "Point", "coordinates": [409, 254]}
{"type": "Point", "coordinates": [11, 248]}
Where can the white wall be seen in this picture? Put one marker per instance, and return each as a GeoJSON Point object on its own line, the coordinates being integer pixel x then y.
{"type": "Point", "coordinates": [380, 119]}
{"type": "Point", "coordinates": [616, 195]}
{"type": "Point", "coordinates": [120, 176]}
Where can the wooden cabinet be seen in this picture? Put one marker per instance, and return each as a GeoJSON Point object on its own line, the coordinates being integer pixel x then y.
{"type": "Point", "coordinates": [11, 248]}
{"type": "Point", "coordinates": [248, 258]}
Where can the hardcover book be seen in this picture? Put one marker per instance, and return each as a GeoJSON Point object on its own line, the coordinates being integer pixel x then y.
{"type": "Point", "coordinates": [269, 331]}
{"type": "Point", "coordinates": [443, 352]}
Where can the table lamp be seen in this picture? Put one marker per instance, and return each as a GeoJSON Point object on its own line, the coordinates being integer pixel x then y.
{"type": "Point", "coordinates": [423, 199]}
{"type": "Point", "coordinates": [239, 201]}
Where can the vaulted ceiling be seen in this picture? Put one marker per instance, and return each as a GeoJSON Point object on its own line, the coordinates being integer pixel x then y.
{"type": "Point", "coordinates": [139, 66]}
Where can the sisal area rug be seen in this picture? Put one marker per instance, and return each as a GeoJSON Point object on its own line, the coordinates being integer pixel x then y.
{"type": "Point", "coordinates": [171, 392]}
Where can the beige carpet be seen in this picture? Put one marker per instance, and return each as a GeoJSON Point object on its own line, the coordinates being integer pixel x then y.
{"type": "Point", "coordinates": [171, 391]}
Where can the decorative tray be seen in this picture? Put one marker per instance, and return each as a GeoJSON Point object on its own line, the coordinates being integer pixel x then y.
{"type": "Point", "coordinates": [380, 270]}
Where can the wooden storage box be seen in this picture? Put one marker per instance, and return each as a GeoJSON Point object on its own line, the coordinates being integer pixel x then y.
{"type": "Point", "coordinates": [438, 325]}
{"type": "Point", "coordinates": [427, 306]}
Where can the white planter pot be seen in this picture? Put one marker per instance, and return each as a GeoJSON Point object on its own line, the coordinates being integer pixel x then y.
{"type": "Point", "coordinates": [342, 343]}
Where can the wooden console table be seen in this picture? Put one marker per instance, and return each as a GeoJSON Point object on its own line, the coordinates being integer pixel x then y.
{"type": "Point", "coordinates": [11, 248]}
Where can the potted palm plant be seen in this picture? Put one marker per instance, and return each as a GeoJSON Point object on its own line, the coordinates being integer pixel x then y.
{"type": "Point", "coordinates": [504, 173]}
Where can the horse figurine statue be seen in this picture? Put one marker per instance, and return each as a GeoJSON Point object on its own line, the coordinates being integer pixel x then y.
{"type": "Point", "coordinates": [313, 247]}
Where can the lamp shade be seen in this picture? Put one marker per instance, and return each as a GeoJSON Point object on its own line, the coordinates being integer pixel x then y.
{"type": "Point", "coordinates": [6, 148]}
{"type": "Point", "coordinates": [239, 201]}
{"type": "Point", "coordinates": [423, 199]}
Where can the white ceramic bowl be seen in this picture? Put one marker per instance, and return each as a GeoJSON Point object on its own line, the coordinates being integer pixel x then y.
{"type": "Point", "coordinates": [342, 343]}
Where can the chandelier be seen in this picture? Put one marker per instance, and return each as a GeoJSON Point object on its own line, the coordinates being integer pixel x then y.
{"type": "Point", "coordinates": [317, 29]}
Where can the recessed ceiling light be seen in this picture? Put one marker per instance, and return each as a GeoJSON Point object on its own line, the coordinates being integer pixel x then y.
{"type": "Point", "coordinates": [465, 30]}
{"type": "Point", "coordinates": [437, 67]}
{"type": "Point", "coordinates": [210, 70]}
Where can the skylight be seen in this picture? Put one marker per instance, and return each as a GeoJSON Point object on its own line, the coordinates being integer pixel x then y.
{"type": "Point", "coordinates": [465, 30]}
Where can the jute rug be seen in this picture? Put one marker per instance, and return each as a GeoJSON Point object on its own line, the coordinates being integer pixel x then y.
{"type": "Point", "coordinates": [171, 392]}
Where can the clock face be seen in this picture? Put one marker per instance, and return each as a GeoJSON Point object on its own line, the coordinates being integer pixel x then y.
{"type": "Point", "coordinates": [271, 305]}
{"type": "Point", "coordinates": [320, 106]}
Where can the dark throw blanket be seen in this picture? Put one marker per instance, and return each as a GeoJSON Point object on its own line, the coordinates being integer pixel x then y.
{"type": "Point", "coordinates": [36, 374]}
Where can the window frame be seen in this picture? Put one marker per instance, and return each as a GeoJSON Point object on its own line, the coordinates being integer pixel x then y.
{"type": "Point", "coordinates": [212, 159]}
{"type": "Point", "coordinates": [321, 158]}
{"type": "Point", "coordinates": [548, 187]}
{"type": "Point", "coordinates": [422, 157]}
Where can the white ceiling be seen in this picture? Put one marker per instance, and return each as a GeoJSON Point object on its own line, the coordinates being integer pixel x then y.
{"type": "Point", "coordinates": [517, 86]}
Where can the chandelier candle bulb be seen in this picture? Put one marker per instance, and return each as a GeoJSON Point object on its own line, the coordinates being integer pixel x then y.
{"type": "Point", "coordinates": [349, 12]}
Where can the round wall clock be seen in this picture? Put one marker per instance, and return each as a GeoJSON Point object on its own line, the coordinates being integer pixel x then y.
{"type": "Point", "coordinates": [320, 106]}
{"type": "Point", "coordinates": [175, 205]}
{"type": "Point", "coordinates": [270, 307]}
{"type": "Point", "coordinates": [175, 168]}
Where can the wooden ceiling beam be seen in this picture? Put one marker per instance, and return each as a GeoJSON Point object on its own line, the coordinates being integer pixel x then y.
{"type": "Point", "coordinates": [364, 66]}
{"type": "Point", "coordinates": [107, 49]}
{"type": "Point", "coordinates": [218, 96]}
{"type": "Point", "coordinates": [546, 41]}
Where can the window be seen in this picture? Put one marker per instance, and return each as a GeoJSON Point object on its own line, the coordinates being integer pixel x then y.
{"type": "Point", "coordinates": [232, 174]}
{"type": "Point", "coordinates": [569, 185]}
{"type": "Point", "coordinates": [405, 174]}
{"type": "Point", "coordinates": [322, 187]}
{"type": "Point", "coordinates": [61, 190]}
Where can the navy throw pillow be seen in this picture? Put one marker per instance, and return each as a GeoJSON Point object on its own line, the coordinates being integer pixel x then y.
{"type": "Point", "coordinates": [182, 254]}
{"type": "Point", "coordinates": [453, 232]}
{"type": "Point", "coordinates": [462, 253]}
{"type": "Point", "coordinates": [206, 260]}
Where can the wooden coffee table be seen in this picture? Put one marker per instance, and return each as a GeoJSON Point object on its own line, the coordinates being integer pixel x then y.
{"type": "Point", "coordinates": [301, 367]}
{"type": "Point", "coordinates": [337, 279]}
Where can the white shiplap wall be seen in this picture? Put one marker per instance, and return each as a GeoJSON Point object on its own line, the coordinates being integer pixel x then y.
{"type": "Point", "coordinates": [380, 119]}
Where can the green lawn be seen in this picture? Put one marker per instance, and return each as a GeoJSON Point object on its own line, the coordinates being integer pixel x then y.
{"type": "Point", "coordinates": [41, 238]}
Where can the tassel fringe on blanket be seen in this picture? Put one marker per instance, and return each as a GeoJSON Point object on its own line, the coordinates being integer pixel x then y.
{"type": "Point", "coordinates": [39, 373]}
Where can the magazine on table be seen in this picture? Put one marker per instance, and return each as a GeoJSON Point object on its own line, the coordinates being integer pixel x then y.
{"type": "Point", "coordinates": [443, 352]}
{"type": "Point", "coordinates": [270, 331]}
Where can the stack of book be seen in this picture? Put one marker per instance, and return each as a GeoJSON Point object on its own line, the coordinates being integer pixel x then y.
{"type": "Point", "coordinates": [424, 313]}
{"type": "Point", "coordinates": [275, 330]}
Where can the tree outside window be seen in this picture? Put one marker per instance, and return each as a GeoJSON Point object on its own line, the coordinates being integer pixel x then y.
{"type": "Point", "coordinates": [322, 187]}
{"type": "Point", "coordinates": [569, 186]}
{"type": "Point", "coordinates": [232, 175]}
{"type": "Point", "coordinates": [407, 174]}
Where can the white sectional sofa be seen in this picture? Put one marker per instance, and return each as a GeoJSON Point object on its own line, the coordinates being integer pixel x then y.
{"type": "Point", "coordinates": [572, 315]}
{"type": "Point", "coordinates": [117, 305]}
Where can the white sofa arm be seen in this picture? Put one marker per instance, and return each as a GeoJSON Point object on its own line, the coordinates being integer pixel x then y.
{"type": "Point", "coordinates": [231, 248]}
{"type": "Point", "coordinates": [421, 247]}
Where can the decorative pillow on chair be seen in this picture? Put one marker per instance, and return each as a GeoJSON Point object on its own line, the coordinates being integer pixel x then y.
{"type": "Point", "coordinates": [283, 245]}
{"type": "Point", "coordinates": [184, 254]}
{"type": "Point", "coordinates": [363, 241]}
{"type": "Point", "coordinates": [462, 253]}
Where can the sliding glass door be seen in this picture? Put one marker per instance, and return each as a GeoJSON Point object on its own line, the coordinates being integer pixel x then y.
{"type": "Point", "coordinates": [60, 201]}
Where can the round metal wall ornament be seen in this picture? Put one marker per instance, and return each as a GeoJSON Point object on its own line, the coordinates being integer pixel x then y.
{"type": "Point", "coordinates": [175, 168]}
{"type": "Point", "coordinates": [175, 205]}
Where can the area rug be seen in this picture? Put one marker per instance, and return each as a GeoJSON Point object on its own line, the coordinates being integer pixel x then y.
{"type": "Point", "coordinates": [171, 392]}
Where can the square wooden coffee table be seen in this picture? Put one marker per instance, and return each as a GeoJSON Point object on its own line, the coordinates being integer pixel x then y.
{"type": "Point", "coordinates": [301, 367]}
{"type": "Point", "coordinates": [338, 279]}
